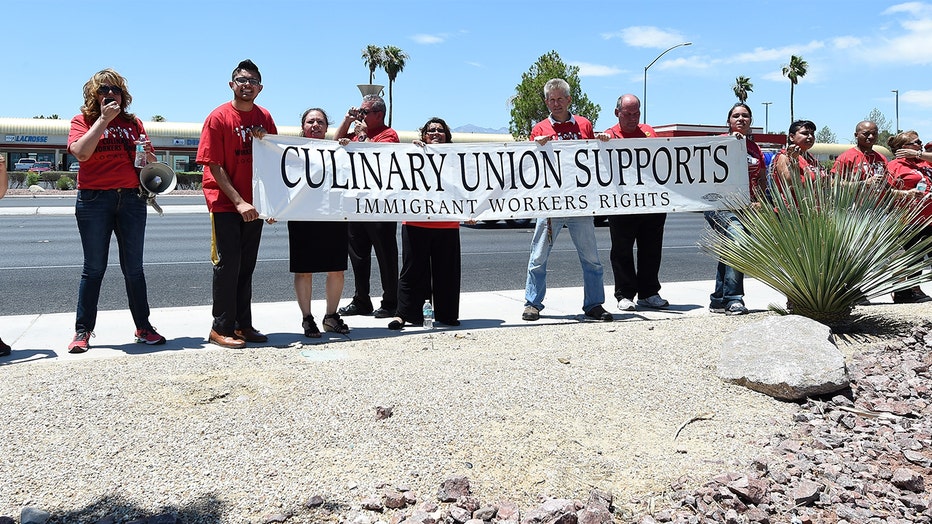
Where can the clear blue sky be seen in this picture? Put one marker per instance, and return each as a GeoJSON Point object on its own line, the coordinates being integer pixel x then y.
{"type": "Point", "coordinates": [466, 56]}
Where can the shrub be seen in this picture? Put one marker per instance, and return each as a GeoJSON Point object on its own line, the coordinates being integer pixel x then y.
{"type": "Point", "coordinates": [32, 179]}
{"type": "Point", "coordinates": [189, 179]}
{"type": "Point", "coordinates": [64, 182]}
{"type": "Point", "coordinates": [17, 178]}
{"type": "Point", "coordinates": [828, 247]}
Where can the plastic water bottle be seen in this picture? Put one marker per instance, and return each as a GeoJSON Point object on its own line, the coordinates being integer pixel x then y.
{"type": "Point", "coordinates": [428, 315]}
{"type": "Point", "coordinates": [921, 186]}
{"type": "Point", "coordinates": [141, 159]}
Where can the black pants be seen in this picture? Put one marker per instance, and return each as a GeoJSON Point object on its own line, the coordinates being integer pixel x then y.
{"type": "Point", "coordinates": [430, 270]}
{"type": "Point", "coordinates": [647, 231]}
{"type": "Point", "coordinates": [234, 249]}
{"type": "Point", "coordinates": [363, 238]}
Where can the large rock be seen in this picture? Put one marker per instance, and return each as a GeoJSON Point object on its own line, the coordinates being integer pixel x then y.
{"type": "Point", "coordinates": [787, 357]}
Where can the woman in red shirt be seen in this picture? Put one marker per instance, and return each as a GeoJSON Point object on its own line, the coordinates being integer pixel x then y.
{"type": "Point", "coordinates": [795, 159]}
{"type": "Point", "coordinates": [909, 172]}
{"type": "Point", "coordinates": [103, 138]}
{"type": "Point", "coordinates": [430, 259]}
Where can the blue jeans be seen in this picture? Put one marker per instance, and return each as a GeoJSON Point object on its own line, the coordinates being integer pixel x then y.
{"type": "Point", "coordinates": [729, 282]}
{"type": "Point", "coordinates": [100, 214]}
{"type": "Point", "coordinates": [582, 231]}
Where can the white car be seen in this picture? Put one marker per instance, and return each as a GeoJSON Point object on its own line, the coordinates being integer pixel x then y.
{"type": "Point", "coordinates": [74, 167]}
{"type": "Point", "coordinates": [23, 164]}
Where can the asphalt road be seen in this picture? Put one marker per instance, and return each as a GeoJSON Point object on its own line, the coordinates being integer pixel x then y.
{"type": "Point", "coordinates": [41, 260]}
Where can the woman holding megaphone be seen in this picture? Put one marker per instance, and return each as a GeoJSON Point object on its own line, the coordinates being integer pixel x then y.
{"type": "Point", "coordinates": [103, 138]}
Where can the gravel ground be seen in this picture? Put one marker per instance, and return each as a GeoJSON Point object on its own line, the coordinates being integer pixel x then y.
{"type": "Point", "coordinates": [524, 412]}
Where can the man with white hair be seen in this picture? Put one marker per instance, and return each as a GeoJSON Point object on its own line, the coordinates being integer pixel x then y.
{"type": "Point", "coordinates": [563, 125]}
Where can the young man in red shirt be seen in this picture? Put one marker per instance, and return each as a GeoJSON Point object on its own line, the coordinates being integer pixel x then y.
{"type": "Point", "coordinates": [225, 151]}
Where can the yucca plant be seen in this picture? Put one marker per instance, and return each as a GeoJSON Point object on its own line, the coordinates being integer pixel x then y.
{"type": "Point", "coordinates": [827, 245]}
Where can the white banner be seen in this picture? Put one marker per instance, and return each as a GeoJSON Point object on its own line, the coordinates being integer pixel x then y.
{"type": "Point", "coordinates": [305, 179]}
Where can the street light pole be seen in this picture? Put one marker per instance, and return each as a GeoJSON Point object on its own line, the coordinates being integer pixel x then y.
{"type": "Point", "coordinates": [897, 93]}
{"type": "Point", "coordinates": [766, 116]}
{"type": "Point", "coordinates": [644, 101]}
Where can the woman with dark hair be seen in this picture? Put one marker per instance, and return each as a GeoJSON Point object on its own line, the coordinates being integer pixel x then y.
{"type": "Point", "coordinates": [430, 260]}
{"type": "Point", "coordinates": [103, 138]}
{"type": "Point", "coordinates": [909, 173]}
{"type": "Point", "coordinates": [795, 159]}
{"type": "Point", "coordinates": [316, 247]}
{"type": "Point", "coordinates": [728, 297]}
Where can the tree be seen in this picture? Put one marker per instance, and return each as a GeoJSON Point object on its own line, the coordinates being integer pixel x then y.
{"type": "Point", "coordinates": [884, 126]}
{"type": "Point", "coordinates": [825, 136]}
{"type": "Point", "coordinates": [742, 87]}
{"type": "Point", "coordinates": [796, 69]}
{"type": "Point", "coordinates": [158, 118]}
{"type": "Point", "coordinates": [527, 105]}
{"type": "Point", "coordinates": [373, 57]}
{"type": "Point", "coordinates": [50, 117]}
{"type": "Point", "coordinates": [394, 63]}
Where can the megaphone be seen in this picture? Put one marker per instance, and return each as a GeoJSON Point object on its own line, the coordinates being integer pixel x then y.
{"type": "Point", "coordinates": [157, 178]}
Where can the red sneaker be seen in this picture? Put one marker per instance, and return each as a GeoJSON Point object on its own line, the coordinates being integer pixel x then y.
{"type": "Point", "coordinates": [81, 342]}
{"type": "Point", "coordinates": [149, 336]}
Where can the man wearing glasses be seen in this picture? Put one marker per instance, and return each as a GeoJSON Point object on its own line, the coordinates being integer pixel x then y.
{"type": "Point", "coordinates": [370, 126]}
{"type": "Point", "coordinates": [225, 151]}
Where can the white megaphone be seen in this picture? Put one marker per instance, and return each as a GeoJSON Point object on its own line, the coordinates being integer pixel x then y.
{"type": "Point", "coordinates": [157, 178]}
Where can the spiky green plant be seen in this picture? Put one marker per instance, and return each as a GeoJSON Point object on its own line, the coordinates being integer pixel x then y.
{"type": "Point", "coordinates": [828, 246]}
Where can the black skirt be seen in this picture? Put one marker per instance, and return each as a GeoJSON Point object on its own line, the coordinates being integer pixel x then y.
{"type": "Point", "coordinates": [317, 247]}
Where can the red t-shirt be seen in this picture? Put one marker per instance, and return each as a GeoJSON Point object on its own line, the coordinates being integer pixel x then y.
{"type": "Point", "coordinates": [386, 135]}
{"type": "Point", "coordinates": [226, 140]}
{"type": "Point", "coordinates": [643, 131]}
{"type": "Point", "coordinates": [906, 173]}
{"type": "Point", "coordinates": [576, 128]}
{"type": "Point", "coordinates": [111, 164]}
{"type": "Point", "coordinates": [858, 165]}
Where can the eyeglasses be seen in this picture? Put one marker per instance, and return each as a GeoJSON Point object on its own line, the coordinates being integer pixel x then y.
{"type": "Point", "coordinates": [436, 130]}
{"type": "Point", "coordinates": [916, 142]}
{"type": "Point", "coordinates": [242, 80]}
{"type": "Point", "coordinates": [105, 89]}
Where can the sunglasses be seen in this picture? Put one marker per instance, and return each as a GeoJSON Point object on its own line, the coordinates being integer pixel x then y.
{"type": "Point", "coordinates": [916, 142]}
{"type": "Point", "coordinates": [435, 130]}
{"type": "Point", "coordinates": [242, 80]}
{"type": "Point", "coordinates": [105, 89]}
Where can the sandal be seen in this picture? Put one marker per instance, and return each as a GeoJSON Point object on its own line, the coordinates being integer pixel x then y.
{"type": "Point", "coordinates": [310, 327]}
{"type": "Point", "coordinates": [334, 324]}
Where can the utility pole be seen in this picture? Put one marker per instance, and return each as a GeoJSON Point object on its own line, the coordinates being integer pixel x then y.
{"type": "Point", "coordinates": [766, 116]}
{"type": "Point", "coordinates": [644, 101]}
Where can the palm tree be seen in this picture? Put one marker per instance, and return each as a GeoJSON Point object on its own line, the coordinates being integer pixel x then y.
{"type": "Point", "coordinates": [373, 57]}
{"type": "Point", "coordinates": [742, 87]}
{"type": "Point", "coordinates": [796, 69]}
{"type": "Point", "coordinates": [394, 63]}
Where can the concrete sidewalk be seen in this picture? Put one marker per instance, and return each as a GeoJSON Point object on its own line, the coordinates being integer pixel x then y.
{"type": "Point", "coordinates": [46, 336]}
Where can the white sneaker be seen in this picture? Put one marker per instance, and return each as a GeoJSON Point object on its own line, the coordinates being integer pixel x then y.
{"type": "Point", "coordinates": [653, 302]}
{"type": "Point", "coordinates": [626, 305]}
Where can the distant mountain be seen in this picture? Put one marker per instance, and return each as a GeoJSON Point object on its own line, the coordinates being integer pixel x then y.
{"type": "Point", "coordinates": [469, 128]}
